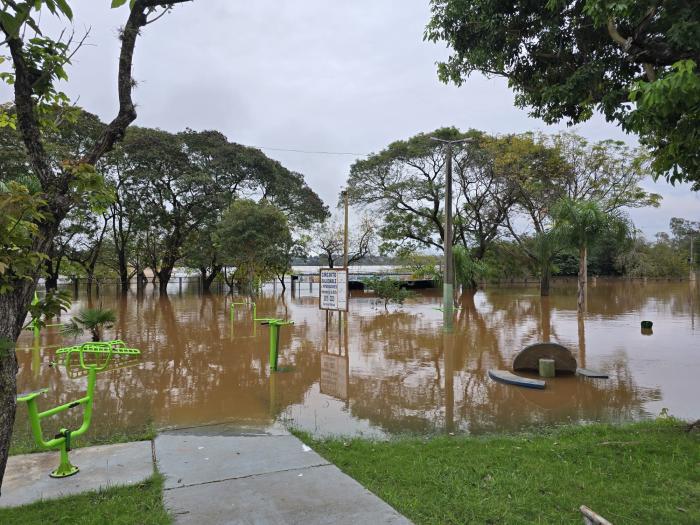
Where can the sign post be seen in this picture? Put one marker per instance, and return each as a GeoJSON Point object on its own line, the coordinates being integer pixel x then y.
{"type": "Point", "coordinates": [333, 290]}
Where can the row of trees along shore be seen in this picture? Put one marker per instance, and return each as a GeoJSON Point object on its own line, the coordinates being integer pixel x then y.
{"type": "Point", "coordinates": [171, 199]}
{"type": "Point", "coordinates": [525, 205]}
{"type": "Point", "coordinates": [520, 201]}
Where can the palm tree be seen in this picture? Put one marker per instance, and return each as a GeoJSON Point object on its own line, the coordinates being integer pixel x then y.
{"type": "Point", "coordinates": [93, 319]}
{"type": "Point", "coordinates": [578, 223]}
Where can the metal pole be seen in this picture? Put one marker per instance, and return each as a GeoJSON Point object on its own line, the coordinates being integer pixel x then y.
{"type": "Point", "coordinates": [345, 245]}
{"type": "Point", "coordinates": [448, 279]}
{"type": "Point", "coordinates": [345, 234]}
{"type": "Point", "coordinates": [692, 266]}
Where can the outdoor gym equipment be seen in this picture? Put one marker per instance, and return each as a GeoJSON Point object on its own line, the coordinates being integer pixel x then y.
{"type": "Point", "coordinates": [274, 325]}
{"type": "Point", "coordinates": [63, 439]}
{"type": "Point", "coordinates": [232, 309]}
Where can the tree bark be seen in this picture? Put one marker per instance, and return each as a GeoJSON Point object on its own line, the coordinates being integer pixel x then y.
{"type": "Point", "coordinates": [163, 279]}
{"type": "Point", "coordinates": [582, 278]}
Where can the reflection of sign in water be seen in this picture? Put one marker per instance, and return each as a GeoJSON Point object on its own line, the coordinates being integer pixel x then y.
{"type": "Point", "coordinates": [333, 292]}
{"type": "Point", "coordinates": [334, 376]}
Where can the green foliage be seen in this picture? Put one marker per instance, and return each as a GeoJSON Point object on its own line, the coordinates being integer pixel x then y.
{"type": "Point", "coordinates": [255, 239]}
{"type": "Point", "coordinates": [579, 223]}
{"type": "Point", "coordinates": [92, 319]}
{"type": "Point", "coordinates": [52, 304]}
{"type": "Point", "coordinates": [669, 109]}
{"type": "Point", "coordinates": [468, 271]}
{"type": "Point", "coordinates": [387, 289]}
{"type": "Point", "coordinates": [19, 213]}
{"type": "Point", "coordinates": [639, 473]}
{"type": "Point", "coordinates": [570, 59]}
{"type": "Point", "coordinates": [659, 259]}
{"type": "Point", "coordinates": [421, 266]}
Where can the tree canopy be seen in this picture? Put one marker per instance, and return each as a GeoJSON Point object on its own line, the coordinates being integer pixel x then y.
{"type": "Point", "coordinates": [634, 61]}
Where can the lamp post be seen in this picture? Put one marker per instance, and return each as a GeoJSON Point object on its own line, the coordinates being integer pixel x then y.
{"type": "Point", "coordinates": [449, 276]}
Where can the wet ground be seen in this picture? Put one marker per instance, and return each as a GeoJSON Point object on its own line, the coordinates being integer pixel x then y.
{"type": "Point", "coordinates": [382, 372]}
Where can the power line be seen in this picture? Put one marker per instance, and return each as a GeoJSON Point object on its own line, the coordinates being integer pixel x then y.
{"type": "Point", "coordinates": [308, 151]}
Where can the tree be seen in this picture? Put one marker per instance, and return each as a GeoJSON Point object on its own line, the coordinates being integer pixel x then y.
{"type": "Point", "coordinates": [329, 241]}
{"type": "Point", "coordinates": [251, 236]}
{"type": "Point", "coordinates": [93, 319]}
{"type": "Point", "coordinates": [549, 168]}
{"type": "Point", "coordinates": [405, 183]}
{"type": "Point", "coordinates": [569, 58]}
{"type": "Point", "coordinates": [579, 223]}
{"type": "Point", "coordinates": [387, 289]}
{"type": "Point", "coordinates": [36, 63]}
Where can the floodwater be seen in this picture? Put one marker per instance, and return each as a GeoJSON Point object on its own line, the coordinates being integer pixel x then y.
{"type": "Point", "coordinates": [382, 372]}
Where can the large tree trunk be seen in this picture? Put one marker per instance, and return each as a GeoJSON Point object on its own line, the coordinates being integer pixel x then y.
{"type": "Point", "coordinates": [13, 311]}
{"type": "Point", "coordinates": [208, 278]}
{"type": "Point", "coordinates": [582, 278]}
{"type": "Point", "coordinates": [163, 279]}
{"type": "Point", "coordinates": [123, 272]}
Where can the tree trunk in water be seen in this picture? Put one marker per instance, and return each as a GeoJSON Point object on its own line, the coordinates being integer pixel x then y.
{"type": "Point", "coordinates": [123, 275]}
{"type": "Point", "coordinates": [582, 278]}
{"type": "Point", "coordinates": [545, 318]}
{"type": "Point", "coordinates": [284, 286]}
{"type": "Point", "coordinates": [163, 279]}
{"type": "Point", "coordinates": [205, 279]}
{"type": "Point", "coordinates": [544, 281]}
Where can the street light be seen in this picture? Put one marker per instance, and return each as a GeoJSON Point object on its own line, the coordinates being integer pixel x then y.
{"type": "Point", "coordinates": [449, 277]}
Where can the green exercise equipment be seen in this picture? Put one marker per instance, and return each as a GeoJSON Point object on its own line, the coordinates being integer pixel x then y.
{"type": "Point", "coordinates": [62, 440]}
{"type": "Point", "coordinates": [274, 325]}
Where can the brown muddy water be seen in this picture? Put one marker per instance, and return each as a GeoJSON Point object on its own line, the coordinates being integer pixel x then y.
{"type": "Point", "coordinates": [383, 372]}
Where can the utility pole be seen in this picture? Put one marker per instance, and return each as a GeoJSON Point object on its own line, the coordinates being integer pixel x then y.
{"type": "Point", "coordinates": [345, 254]}
{"type": "Point", "coordinates": [692, 265]}
{"type": "Point", "coordinates": [345, 235]}
{"type": "Point", "coordinates": [449, 275]}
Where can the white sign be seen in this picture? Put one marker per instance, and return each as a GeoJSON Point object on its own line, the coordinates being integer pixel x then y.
{"type": "Point", "coordinates": [333, 292]}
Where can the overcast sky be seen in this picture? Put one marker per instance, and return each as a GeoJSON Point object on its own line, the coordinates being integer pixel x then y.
{"type": "Point", "coordinates": [314, 75]}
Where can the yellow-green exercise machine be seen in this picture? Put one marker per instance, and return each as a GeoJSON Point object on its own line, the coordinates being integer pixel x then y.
{"type": "Point", "coordinates": [62, 440]}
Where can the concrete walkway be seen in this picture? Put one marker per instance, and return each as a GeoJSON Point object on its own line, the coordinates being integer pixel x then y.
{"type": "Point", "coordinates": [218, 474]}
{"type": "Point", "coordinates": [221, 475]}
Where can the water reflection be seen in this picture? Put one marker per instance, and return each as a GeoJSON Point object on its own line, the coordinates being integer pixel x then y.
{"type": "Point", "coordinates": [383, 372]}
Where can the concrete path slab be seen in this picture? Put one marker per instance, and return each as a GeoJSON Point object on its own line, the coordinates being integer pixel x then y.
{"type": "Point", "coordinates": [27, 476]}
{"type": "Point", "coordinates": [190, 459]}
{"type": "Point", "coordinates": [309, 496]}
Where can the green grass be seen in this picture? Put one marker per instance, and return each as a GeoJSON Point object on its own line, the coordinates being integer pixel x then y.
{"type": "Point", "coordinates": [138, 504]}
{"type": "Point", "coordinates": [640, 473]}
{"type": "Point", "coordinates": [23, 443]}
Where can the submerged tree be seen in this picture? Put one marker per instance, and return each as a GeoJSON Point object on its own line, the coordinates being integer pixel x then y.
{"type": "Point", "coordinates": [388, 290]}
{"type": "Point", "coordinates": [252, 236]}
{"type": "Point", "coordinates": [93, 319]}
{"type": "Point", "coordinates": [579, 223]}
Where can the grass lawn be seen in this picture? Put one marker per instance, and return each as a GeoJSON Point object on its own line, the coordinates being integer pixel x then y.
{"type": "Point", "coordinates": [138, 504]}
{"type": "Point", "coordinates": [640, 473]}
